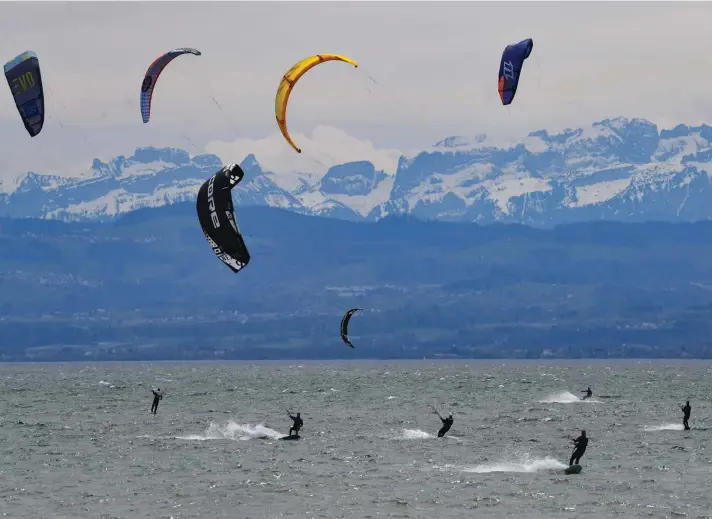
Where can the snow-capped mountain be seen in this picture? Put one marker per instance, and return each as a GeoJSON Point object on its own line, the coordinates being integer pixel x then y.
{"type": "Point", "coordinates": [615, 169]}
{"type": "Point", "coordinates": [151, 177]}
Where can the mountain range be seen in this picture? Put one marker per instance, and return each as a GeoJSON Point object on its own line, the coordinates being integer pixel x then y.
{"type": "Point", "coordinates": [147, 286]}
{"type": "Point", "coordinates": [616, 169]}
{"type": "Point", "coordinates": [587, 243]}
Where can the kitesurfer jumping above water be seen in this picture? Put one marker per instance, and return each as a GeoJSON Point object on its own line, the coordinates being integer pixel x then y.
{"type": "Point", "coordinates": [581, 443]}
{"type": "Point", "coordinates": [298, 423]}
{"type": "Point", "coordinates": [157, 396]}
{"type": "Point", "coordinates": [447, 423]}
{"type": "Point", "coordinates": [686, 409]}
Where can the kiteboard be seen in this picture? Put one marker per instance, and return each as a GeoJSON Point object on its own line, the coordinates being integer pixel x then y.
{"type": "Point", "coordinates": [573, 469]}
{"type": "Point", "coordinates": [291, 437]}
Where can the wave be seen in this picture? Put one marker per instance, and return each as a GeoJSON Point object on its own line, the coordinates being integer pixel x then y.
{"type": "Point", "coordinates": [415, 434]}
{"type": "Point", "coordinates": [566, 397]}
{"type": "Point", "coordinates": [234, 431]}
{"type": "Point", "coordinates": [525, 464]}
{"type": "Point", "coordinates": [664, 427]}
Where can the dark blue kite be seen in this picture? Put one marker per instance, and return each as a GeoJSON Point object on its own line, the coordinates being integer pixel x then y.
{"type": "Point", "coordinates": [152, 75]}
{"type": "Point", "coordinates": [23, 75]}
{"type": "Point", "coordinates": [511, 67]}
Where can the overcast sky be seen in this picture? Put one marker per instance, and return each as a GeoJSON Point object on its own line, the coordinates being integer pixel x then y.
{"type": "Point", "coordinates": [435, 64]}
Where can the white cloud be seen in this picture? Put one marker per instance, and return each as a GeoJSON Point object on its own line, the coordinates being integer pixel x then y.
{"type": "Point", "coordinates": [326, 147]}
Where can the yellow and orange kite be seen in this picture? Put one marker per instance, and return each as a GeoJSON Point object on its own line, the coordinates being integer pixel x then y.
{"type": "Point", "coordinates": [287, 84]}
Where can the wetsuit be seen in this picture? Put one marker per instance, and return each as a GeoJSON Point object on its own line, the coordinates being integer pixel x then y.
{"type": "Point", "coordinates": [157, 396]}
{"type": "Point", "coordinates": [296, 425]}
{"type": "Point", "coordinates": [581, 442]}
{"type": "Point", "coordinates": [447, 423]}
{"type": "Point", "coordinates": [588, 392]}
{"type": "Point", "coordinates": [686, 410]}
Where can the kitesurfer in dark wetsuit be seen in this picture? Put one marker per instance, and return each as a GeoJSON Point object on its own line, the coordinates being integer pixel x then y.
{"type": "Point", "coordinates": [447, 423]}
{"type": "Point", "coordinates": [296, 425]}
{"type": "Point", "coordinates": [157, 396]}
{"type": "Point", "coordinates": [588, 394]}
{"type": "Point", "coordinates": [581, 442]}
{"type": "Point", "coordinates": [686, 409]}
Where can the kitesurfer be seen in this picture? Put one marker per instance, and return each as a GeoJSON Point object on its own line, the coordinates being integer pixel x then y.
{"type": "Point", "coordinates": [686, 409]}
{"type": "Point", "coordinates": [157, 396]}
{"type": "Point", "coordinates": [588, 394]}
{"type": "Point", "coordinates": [296, 425]}
{"type": "Point", "coordinates": [447, 423]}
{"type": "Point", "coordinates": [580, 447]}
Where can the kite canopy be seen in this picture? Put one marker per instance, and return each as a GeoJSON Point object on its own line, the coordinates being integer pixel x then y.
{"type": "Point", "coordinates": [25, 80]}
{"type": "Point", "coordinates": [287, 84]}
{"type": "Point", "coordinates": [510, 68]}
{"type": "Point", "coordinates": [345, 324]}
{"type": "Point", "coordinates": [215, 212]}
{"type": "Point", "coordinates": [152, 75]}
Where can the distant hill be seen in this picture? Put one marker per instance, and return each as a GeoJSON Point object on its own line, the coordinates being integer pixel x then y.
{"type": "Point", "coordinates": [148, 286]}
{"type": "Point", "coordinates": [616, 169]}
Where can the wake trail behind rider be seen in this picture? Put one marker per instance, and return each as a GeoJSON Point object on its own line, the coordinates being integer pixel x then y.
{"type": "Point", "coordinates": [298, 423]}
{"type": "Point", "coordinates": [447, 423]}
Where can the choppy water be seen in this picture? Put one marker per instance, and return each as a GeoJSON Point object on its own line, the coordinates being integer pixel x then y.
{"type": "Point", "coordinates": [77, 441]}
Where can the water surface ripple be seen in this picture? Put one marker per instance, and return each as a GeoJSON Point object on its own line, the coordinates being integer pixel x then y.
{"type": "Point", "coordinates": [77, 440]}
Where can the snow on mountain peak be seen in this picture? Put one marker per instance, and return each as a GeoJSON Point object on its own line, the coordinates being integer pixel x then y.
{"type": "Point", "coordinates": [615, 168]}
{"type": "Point", "coordinates": [250, 162]}
{"type": "Point", "coordinates": [459, 141]}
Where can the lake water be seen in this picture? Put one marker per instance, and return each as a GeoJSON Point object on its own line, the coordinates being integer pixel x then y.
{"type": "Point", "coordinates": [77, 440]}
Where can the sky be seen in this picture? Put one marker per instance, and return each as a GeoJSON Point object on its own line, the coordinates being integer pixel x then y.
{"type": "Point", "coordinates": [427, 70]}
